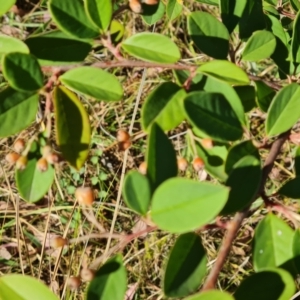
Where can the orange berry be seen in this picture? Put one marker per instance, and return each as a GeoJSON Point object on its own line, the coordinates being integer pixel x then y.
{"type": "Point", "coordinates": [123, 136]}
{"type": "Point", "coordinates": [150, 2]}
{"type": "Point", "coordinates": [21, 162]}
{"type": "Point", "coordinates": [143, 168]}
{"type": "Point", "coordinates": [12, 157]}
{"type": "Point", "coordinates": [182, 164]}
{"type": "Point", "coordinates": [136, 6]}
{"type": "Point", "coordinates": [52, 158]}
{"type": "Point", "coordinates": [198, 164]}
{"type": "Point", "coordinates": [19, 145]}
{"type": "Point", "coordinates": [124, 145]}
{"type": "Point", "coordinates": [58, 242]}
{"type": "Point", "coordinates": [74, 283]}
{"type": "Point", "coordinates": [42, 164]}
{"type": "Point", "coordinates": [87, 274]}
{"type": "Point", "coordinates": [84, 195]}
{"type": "Point", "coordinates": [207, 143]}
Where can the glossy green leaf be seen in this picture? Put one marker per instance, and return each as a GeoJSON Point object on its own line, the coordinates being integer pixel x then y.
{"type": "Point", "coordinates": [136, 192]}
{"type": "Point", "coordinates": [231, 12]}
{"type": "Point", "coordinates": [214, 159]}
{"type": "Point", "coordinates": [161, 157]}
{"type": "Point", "coordinates": [186, 266]}
{"type": "Point", "coordinates": [116, 31]}
{"type": "Point", "coordinates": [110, 281]}
{"type": "Point", "coordinates": [261, 45]}
{"type": "Point", "coordinates": [237, 152]}
{"type": "Point", "coordinates": [295, 5]}
{"type": "Point", "coordinates": [164, 105]}
{"type": "Point", "coordinates": [264, 95]}
{"type": "Point", "coordinates": [244, 182]}
{"type": "Point", "coordinates": [211, 295]}
{"type": "Point", "coordinates": [212, 114]}
{"type": "Point", "coordinates": [208, 34]}
{"type": "Point", "coordinates": [153, 13]}
{"type": "Point", "coordinates": [174, 9]}
{"type": "Point", "coordinates": [71, 18]}
{"type": "Point", "coordinates": [15, 287]}
{"type": "Point", "coordinates": [269, 284]}
{"type": "Point", "coordinates": [273, 244]}
{"type": "Point", "coordinates": [152, 47]}
{"type": "Point", "coordinates": [72, 126]}
{"type": "Point", "coordinates": [57, 47]}
{"type": "Point", "coordinates": [180, 205]}
{"type": "Point", "coordinates": [291, 188]}
{"type": "Point", "coordinates": [33, 184]}
{"type": "Point", "coordinates": [252, 19]}
{"type": "Point", "coordinates": [13, 104]}
{"type": "Point", "coordinates": [100, 12]}
{"type": "Point", "coordinates": [225, 71]}
{"type": "Point", "coordinates": [93, 82]}
{"type": "Point", "coordinates": [22, 71]}
{"type": "Point", "coordinates": [296, 250]}
{"type": "Point", "coordinates": [5, 6]}
{"type": "Point", "coordinates": [295, 51]}
{"type": "Point", "coordinates": [211, 84]}
{"type": "Point", "coordinates": [197, 81]}
{"type": "Point", "coordinates": [247, 95]}
{"type": "Point", "coordinates": [9, 44]}
{"type": "Point", "coordinates": [283, 112]}
{"type": "Point", "coordinates": [277, 29]}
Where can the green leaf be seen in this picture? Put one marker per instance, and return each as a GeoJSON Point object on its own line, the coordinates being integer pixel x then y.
{"type": "Point", "coordinates": [72, 126]}
{"type": "Point", "coordinates": [212, 114]}
{"type": "Point", "coordinates": [273, 244]}
{"type": "Point", "coordinates": [296, 250]}
{"type": "Point", "coordinates": [161, 157]}
{"type": "Point", "coordinates": [9, 44]}
{"type": "Point", "coordinates": [291, 189]}
{"type": "Point", "coordinates": [5, 6]}
{"type": "Point", "coordinates": [295, 5]}
{"type": "Point", "coordinates": [152, 47]}
{"type": "Point", "coordinates": [153, 13]}
{"type": "Point", "coordinates": [208, 34]}
{"type": "Point", "coordinates": [174, 9]}
{"type": "Point", "coordinates": [71, 18]}
{"type": "Point", "coordinates": [210, 2]}
{"type": "Point", "coordinates": [231, 12]}
{"type": "Point", "coordinates": [261, 45]}
{"type": "Point", "coordinates": [136, 192]}
{"type": "Point", "coordinates": [252, 19]}
{"type": "Point", "coordinates": [276, 27]}
{"type": "Point", "coordinates": [225, 71]}
{"type": "Point", "coordinates": [33, 184]}
{"type": "Point", "coordinates": [57, 47]}
{"type": "Point", "coordinates": [13, 104]}
{"type": "Point", "coordinates": [283, 112]}
{"type": "Point", "coordinates": [214, 159]}
{"type": "Point", "coordinates": [99, 12]}
{"type": "Point", "coordinates": [211, 295]}
{"type": "Point", "coordinates": [244, 182]}
{"type": "Point", "coordinates": [269, 284]}
{"type": "Point", "coordinates": [110, 281]}
{"type": "Point", "coordinates": [247, 95]}
{"type": "Point", "coordinates": [164, 105]}
{"type": "Point", "coordinates": [116, 31]}
{"type": "Point", "coordinates": [264, 95]}
{"type": "Point", "coordinates": [239, 151]}
{"type": "Point", "coordinates": [180, 205]}
{"type": "Point", "coordinates": [186, 266]}
{"type": "Point", "coordinates": [93, 82]}
{"type": "Point", "coordinates": [15, 287]}
{"type": "Point", "coordinates": [295, 51]}
{"type": "Point", "coordinates": [22, 71]}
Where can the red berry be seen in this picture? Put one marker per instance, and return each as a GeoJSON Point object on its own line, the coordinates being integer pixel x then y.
{"type": "Point", "coordinates": [198, 164]}
{"type": "Point", "coordinates": [135, 6]}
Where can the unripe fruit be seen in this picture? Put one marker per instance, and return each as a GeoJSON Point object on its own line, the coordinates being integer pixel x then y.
{"type": "Point", "coordinates": [21, 162]}
{"type": "Point", "coordinates": [42, 164]}
{"type": "Point", "coordinates": [143, 168]}
{"type": "Point", "coordinates": [124, 145]}
{"type": "Point", "coordinates": [12, 157]}
{"type": "Point", "coordinates": [84, 195]}
{"type": "Point", "coordinates": [135, 6]}
{"type": "Point", "coordinates": [123, 136]}
{"type": "Point", "coordinates": [74, 283]}
{"type": "Point", "coordinates": [207, 143]}
{"type": "Point", "coordinates": [58, 242]}
{"type": "Point", "coordinates": [182, 164]}
{"type": "Point", "coordinates": [198, 164]}
{"type": "Point", "coordinates": [87, 274]}
{"type": "Point", "coordinates": [19, 145]}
